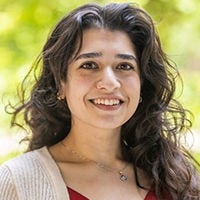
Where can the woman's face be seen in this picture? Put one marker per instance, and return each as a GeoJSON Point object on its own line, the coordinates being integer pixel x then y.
{"type": "Point", "coordinates": [103, 83]}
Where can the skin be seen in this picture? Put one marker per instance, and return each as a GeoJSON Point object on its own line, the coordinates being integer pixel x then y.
{"type": "Point", "coordinates": [102, 91]}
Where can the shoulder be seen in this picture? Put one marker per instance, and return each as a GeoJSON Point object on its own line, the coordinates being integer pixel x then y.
{"type": "Point", "coordinates": [11, 173]}
{"type": "Point", "coordinates": [27, 163]}
{"type": "Point", "coordinates": [7, 186]}
{"type": "Point", "coordinates": [25, 175]}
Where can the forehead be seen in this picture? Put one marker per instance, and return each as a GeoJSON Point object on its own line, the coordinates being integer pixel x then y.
{"type": "Point", "coordinates": [96, 39]}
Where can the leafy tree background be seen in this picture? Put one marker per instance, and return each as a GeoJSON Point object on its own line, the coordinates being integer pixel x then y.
{"type": "Point", "coordinates": [25, 25]}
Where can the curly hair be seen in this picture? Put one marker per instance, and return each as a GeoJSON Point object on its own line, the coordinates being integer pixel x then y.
{"type": "Point", "coordinates": [150, 138]}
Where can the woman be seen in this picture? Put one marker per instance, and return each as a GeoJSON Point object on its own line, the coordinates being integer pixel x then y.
{"type": "Point", "coordinates": [103, 119]}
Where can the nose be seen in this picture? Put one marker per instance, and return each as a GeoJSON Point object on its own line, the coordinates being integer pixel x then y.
{"type": "Point", "coordinates": [108, 80]}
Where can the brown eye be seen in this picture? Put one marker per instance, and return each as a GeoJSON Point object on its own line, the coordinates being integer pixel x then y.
{"type": "Point", "coordinates": [89, 65]}
{"type": "Point", "coordinates": [125, 66]}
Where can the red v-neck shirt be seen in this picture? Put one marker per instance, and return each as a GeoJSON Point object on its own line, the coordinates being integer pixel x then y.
{"type": "Point", "coordinates": [74, 195]}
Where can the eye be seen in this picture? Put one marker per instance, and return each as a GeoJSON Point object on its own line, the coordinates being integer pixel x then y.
{"type": "Point", "coordinates": [125, 66]}
{"type": "Point", "coordinates": [89, 65]}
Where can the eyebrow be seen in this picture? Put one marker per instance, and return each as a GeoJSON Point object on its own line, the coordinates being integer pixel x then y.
{"type": "Point", "coordinates": [126, 57]}
{"type": "Point", "coordinates": [89, 55]}
{"type": "Point", "coordinates": [99, 54]}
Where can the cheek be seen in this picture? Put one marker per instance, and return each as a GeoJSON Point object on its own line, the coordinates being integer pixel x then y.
{"type": "Point", "coordinates": [133, 86]}
{"type": "Point", "coordinates": [78, 87]}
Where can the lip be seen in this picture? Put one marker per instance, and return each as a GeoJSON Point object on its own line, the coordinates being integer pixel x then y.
{"type": "Point", "coordinates": [107, 103]}
{"type": "Point", "coordinates": [109, 97]}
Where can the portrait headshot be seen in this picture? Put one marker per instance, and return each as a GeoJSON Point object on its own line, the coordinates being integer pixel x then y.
{"type": "Point", "coordinates": [100, 110]}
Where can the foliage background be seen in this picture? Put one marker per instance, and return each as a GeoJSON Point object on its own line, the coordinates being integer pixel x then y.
{"type": "Point", "coordinates": [25, 25]}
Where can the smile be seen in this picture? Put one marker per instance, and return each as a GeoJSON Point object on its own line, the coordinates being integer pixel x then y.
{"type": "Point", "coordinates": [107, 102]}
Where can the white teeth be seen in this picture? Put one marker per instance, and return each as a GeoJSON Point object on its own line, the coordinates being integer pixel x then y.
{"type": "Point", "coordinates": [107, 102]}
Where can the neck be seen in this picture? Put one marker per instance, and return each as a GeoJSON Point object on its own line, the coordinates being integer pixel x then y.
{"type": "Point", "coordinates": [96, 144]}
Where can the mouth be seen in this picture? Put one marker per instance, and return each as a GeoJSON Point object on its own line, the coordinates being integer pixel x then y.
{"type": "Point", "coordinates": [106, 102]}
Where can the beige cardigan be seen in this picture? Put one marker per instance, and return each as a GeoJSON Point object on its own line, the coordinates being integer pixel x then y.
{"type": "Point", "coordinates": [32, 176]}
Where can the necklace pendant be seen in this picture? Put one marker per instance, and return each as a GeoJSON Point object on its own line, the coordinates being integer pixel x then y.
{"type": "Point", "coordinates": [122, 177]}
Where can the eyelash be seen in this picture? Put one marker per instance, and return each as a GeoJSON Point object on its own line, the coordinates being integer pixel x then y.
{"type": "Point", "coordinates": [127, 68]}
{"type": "Point", "coordinates": [89, 65]}
{"type": "Point", "coordinates": [93, 66]}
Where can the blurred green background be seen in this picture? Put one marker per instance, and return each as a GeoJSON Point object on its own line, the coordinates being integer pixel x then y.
{"type": "Point", "coordinates": [25, 24]}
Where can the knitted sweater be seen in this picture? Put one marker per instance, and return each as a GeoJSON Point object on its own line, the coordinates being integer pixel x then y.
{"type": "Point", "coordinates": [32, 176]}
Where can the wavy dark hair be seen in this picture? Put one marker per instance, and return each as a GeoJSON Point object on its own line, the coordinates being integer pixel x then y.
{"type": "Point", "coordinates": [150, 138]}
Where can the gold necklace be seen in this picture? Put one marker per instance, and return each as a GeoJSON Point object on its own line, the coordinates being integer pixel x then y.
{"type": "Point", "coordinates": [123, 177]}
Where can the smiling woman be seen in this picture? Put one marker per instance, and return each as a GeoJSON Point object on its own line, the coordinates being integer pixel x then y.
{"type": "Point", "coordinates": [99, 79]}
{"type": "Point", "coordinates": [102, 115]}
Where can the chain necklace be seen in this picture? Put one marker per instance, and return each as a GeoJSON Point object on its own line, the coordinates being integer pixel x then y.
{"type": "Point", "coordinates": [122, 177]}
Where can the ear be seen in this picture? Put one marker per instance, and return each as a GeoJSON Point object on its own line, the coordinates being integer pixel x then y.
{"type": "Point", "coordinates": [61, 92]}
{"type": "Point", "coordinates": [62, 87]}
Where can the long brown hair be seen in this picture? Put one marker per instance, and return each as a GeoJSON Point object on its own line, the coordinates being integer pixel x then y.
{"type": "Point", "coordinates": [150, 138]}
